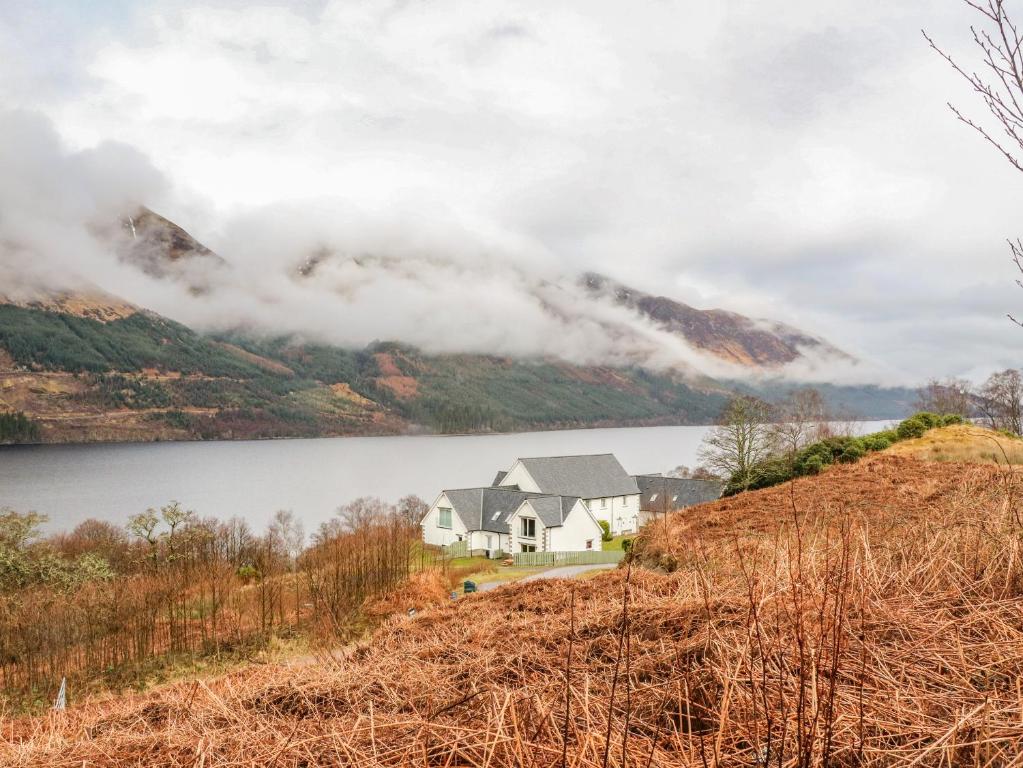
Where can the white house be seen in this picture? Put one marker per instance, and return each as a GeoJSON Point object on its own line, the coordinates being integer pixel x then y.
{"type": "Point", "coordinates": [478, 516]}
{"type": "Point", "coordinates": [554, 503]}
{"type": "Point", "coordinates": [607, 490]}
{"type": "Point", "coordinates": [660, 494]}
{"type": "Point", "coordinates": [554, 524]}
{"type": "Point", "coordinates": [505, 520]}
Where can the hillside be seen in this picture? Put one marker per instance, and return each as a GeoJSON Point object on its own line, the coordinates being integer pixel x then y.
{"type": "Point", "coordinates": [142, 377]}
{"type": "Point", "coordinates": [870, 618]}
{"type": "Point", "coordinates": [963, 443]}
{"type": "Point", "coordinates": [86, 366]}
{"type": "Point", "coordinates": [104, 373]}
{"type": "Point", "coordinates": [727, 335]}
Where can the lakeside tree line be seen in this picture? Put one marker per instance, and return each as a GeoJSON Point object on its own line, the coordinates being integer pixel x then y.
{"type": "Point", "coordinates": [16, 427]}
{"type": "Point", "coordinates": [110, 606]}
{"type": "Point", "coordinates": [757, 444]}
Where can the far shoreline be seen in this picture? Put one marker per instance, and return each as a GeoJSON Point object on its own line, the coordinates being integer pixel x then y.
{"type": "Point", "coordinates": [410, 434]}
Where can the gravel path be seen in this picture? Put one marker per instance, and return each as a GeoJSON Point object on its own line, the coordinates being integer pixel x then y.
{"type": "Point", "coordinates": [564, 572]}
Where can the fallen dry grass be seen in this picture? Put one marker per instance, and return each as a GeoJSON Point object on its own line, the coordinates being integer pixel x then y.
{"type": "Point", "coordinates": [962, 443]}
{"type": "Point", "coordinates": [869, 616]}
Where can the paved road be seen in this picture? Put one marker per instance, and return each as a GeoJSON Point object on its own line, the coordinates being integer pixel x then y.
{"type": "Point", "coordinates": [564, 572]}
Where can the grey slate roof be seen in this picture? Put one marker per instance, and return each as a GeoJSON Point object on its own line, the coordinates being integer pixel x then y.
{"type": "Point", "coordinates": [587, 477]}
{"type": "Point", "coordinates": [486, 509]}
{"type": "Point", "coordinates": [500, 476]}
{"type": "Point", "coordinates": [680, 492]}
{"type": "Point", "coordinates": [552, 510]}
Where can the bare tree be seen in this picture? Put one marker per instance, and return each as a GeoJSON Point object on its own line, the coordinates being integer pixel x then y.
{"type": "Point", "coordinates": [743, 438]}
{"type": "Point", "coordinates": [143, 525]}
{"type": "Point", "coordinates": [802, 418]}
{"type": "Point", "coordinates": [175, 518]}
{"type": "Point", "coordinates": [999, 83]}
{"type": "Point", "coordinates": [948, 396]}
{"type": "Point", "coordinates": [363, 512]}
{"type": "Point", "coordinates": [1000, 400]}
{"type": "Point", "coordinates": [411, 509]}
{"type": "Point", "coordinates": [287, 535]}
{"type": "Point", "coordinates": [693, 473]}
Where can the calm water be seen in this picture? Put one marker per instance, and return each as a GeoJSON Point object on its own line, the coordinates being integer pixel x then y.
{"type": "Point", "coordinates": [312, 477]}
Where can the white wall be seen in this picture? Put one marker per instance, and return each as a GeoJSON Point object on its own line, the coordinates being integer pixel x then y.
{"type": "Point", "coordinates": [518, 475]}
{"type": "Point", "coordinates": [433, 533]}
{"type": "Point", "coordinates": [478, 541]}
{"type": "Point", "coordinates": [578, 528]}
{"type": "Point", "coordinates": [621, 512]}
{"type": "Point", "coordinates": [525, 510]}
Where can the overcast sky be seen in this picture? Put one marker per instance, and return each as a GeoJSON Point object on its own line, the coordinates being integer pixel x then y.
{"type": "Point", "coordinates": [787, 160]}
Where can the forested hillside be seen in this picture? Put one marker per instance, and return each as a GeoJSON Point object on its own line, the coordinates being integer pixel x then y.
{"type": "Point", "coordinates": [144, 377]}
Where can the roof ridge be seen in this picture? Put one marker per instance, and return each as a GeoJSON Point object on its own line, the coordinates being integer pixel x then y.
{"type": "Point", "coordinates": [502, 488]}
{"type": "Point", "coordinates": [566, 456]}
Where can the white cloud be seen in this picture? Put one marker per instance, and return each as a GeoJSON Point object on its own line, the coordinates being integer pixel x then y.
{"type": "Point", "coordinates": [797, 164]}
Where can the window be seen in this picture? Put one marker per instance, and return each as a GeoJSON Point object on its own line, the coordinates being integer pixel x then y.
{"type": "Point", "coordinates": [529, 548]}
{"type": "Point", "coordinates": [496, 515]}
{"type": "Point", "coordinates": [654, 497]}
{"type": "Point", "coordinates": [603, 503]}
{"type": "Point", "coordinates": [489, 542]}
{"type": "Point", "coordinates": [589, 543]}
{"type": "Point", "coordinates": [528, 528]}
{"type": "Point", "coordinates": [443, 517]}
{"type": "Point", "coordinates": [674, 498]}
{"type": "Point", "coordinates": [623, 501]}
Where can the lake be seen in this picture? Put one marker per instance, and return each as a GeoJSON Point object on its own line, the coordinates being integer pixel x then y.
{"type": "Point", "coordinates": [253, 479]}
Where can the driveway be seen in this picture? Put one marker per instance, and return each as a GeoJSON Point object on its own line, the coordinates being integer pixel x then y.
{"type": "Point", "coordinates": [564, 572]}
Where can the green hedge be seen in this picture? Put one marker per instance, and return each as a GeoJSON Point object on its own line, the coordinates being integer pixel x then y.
{"type": "Point", "coordinates": [812, 459]}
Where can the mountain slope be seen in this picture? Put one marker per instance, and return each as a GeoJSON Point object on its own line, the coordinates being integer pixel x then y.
{"type": "Point", "coordinates": [728, 335]}
{"type": "Point", "coordinates": [163, 249]}
{"type": "Point", "coordinates": [87, 366]}
{"type": "Point", "coordinates": [146, 377]}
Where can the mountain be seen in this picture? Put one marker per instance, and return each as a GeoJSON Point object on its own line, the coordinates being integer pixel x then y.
{"type": "Point", "coordinates": [143, 377]}
{"type": "Point", "coordinates": [727, 335]}
{"type": "Point", "coordinates": [86, 366]}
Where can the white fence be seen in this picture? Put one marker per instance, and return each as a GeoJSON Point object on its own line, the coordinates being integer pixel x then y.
{"type": "Point", "coordinates": [568, 558]}
{"type": "Point", "coordinates": [456, 549]}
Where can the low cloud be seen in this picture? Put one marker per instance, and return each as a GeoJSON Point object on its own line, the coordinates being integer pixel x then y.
{"type": "Point", "coordinates": [462, 163]}
{"type": "Point", "coordinates": [324, 272]}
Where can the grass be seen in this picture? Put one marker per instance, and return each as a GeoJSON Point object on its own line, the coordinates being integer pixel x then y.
{"type": "Point", "coordinates": [616, 543]}
{"type": "Point", "coordinates": [962, 443]}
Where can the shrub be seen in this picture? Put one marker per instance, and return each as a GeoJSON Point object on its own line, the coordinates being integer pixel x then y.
{"type": "Point", "coordinates": [814, 465]}
{"type": "Point", "coordinates": [626, 545]}
{"type": "Point", "coordinates": [878, 441]}
{"type": "Point", "coordinates": [853, 452]}
{"type": "Point", "coordinates": [813, 459]}
{"type": "Point", "coordinates": [605, 528]}
{"type": "Point", "coordinates": [914, 426]}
